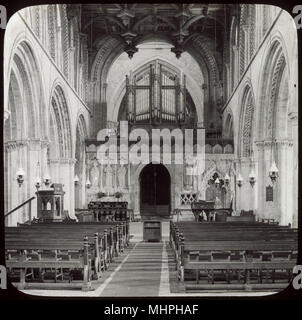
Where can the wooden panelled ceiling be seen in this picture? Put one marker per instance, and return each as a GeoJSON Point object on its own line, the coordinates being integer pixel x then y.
{"type": "Point", "coordinates": [131, 23]}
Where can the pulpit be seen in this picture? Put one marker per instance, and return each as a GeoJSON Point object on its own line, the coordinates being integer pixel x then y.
{"type": "Point", "coordinates": [50, 203]}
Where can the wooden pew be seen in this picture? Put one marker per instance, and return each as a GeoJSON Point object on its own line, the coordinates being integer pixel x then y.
{"type": "Point", "coordinates": [24, 260]}
{"type": "Point", "coordinates": [240, 248]}
{"type": "Point", "coordinates": [106, 240]}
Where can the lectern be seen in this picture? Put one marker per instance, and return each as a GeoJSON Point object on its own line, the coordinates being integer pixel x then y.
{"type": "Point", "coordinates": [50, 203]}
{"type": "Point", "coordinates": [152, 231]}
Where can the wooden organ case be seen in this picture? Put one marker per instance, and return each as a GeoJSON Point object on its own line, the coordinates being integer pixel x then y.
{"type": "Point", "coordinates": [156, 93]}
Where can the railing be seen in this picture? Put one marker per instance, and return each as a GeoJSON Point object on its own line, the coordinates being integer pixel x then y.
{"type": "Point", "coordinates": [20, 206]}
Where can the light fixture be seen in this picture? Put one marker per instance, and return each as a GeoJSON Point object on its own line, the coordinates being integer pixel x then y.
{"type": "Point", "coordinates": [47, 179]}
{"type": "Point", "coordinates": [227, 179]}
{"type": "Point", "coordinates": [273, 172]}
{"type": "Point", "coordinates": [252, 178]}
{"type": "Point", "coordinates": [20, 176]}
{"type": "Point", "coordinates": [239, 180]}
{"type": "Point", "coordinates": [38, 183]}
{"type": "Point", "coordinates": [76, 180]}
{"type": "Point", "coordinates": [217, 182]}
{"type": "Point", "coordinates": [88, 184]}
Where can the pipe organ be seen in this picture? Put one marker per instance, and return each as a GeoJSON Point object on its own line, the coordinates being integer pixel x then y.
{"type": "Point", "coordinates": [156, 94]}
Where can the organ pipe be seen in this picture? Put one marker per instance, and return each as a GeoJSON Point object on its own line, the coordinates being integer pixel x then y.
{"type": "Point", "coordinates": [156, 95]}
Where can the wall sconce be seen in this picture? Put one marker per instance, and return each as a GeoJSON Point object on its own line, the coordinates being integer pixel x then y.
{"type": "Point", "coordinates": [273, 172]}
{"type": "Point", "coordinates": [88, 184]}
{"type": "Point", "coordinates": [76, 180]}
{"type": "Point", "coordinates": [20, 176]}
{"type": "Point", "coordinates": [239, 181]}
{"type": "Point", "coordinates": [227, 179]}
{"type": "Point", "coordinates": [38, 183]}
{"type": "Point", "coordinates": [47, 179]}
{"type": "Point", "coordinates": [252, 178]}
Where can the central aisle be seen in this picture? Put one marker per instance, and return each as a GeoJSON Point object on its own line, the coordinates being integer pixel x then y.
{"type": "Point", "coordinates": [138, 274]}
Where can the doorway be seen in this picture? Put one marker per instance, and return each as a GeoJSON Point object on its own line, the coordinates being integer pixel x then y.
{"type": "Point", "coordinates": [155, 191]}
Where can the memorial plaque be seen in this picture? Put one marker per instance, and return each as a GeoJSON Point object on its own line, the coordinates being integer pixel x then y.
{"type": "Point", "coordinates": [269, 193]}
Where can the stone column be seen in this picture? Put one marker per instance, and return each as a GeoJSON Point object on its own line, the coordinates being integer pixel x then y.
{"type": "Point", "coordinates": [285, 181]}
{"type": "Point", "coordinates": [12, 190]}
{"type": "Point", "coordinates": [261, 178]}
{"type": "Point", "coordinates": [62, 171]}
{"type": "Point", "coordinates": [236, 67]}
{"type": "Point", "coordinates": [30, 152]}
{"type": "Point", "coordinates": [71, 68]}
{"type": "Point", "coordinates": [36, 148]}
{"type": "Point", "coordinates": [293, 116]}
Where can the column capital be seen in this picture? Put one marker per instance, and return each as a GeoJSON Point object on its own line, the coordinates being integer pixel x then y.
{"type": "Point", "coordinates": [71, 161]}
{"type": "Point", "coordinates": [269, 143]}
{"type": "Point", "coordinates": [14, 144]}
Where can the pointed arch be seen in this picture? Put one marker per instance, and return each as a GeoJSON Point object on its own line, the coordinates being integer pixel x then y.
{"type": "Point", "coordinates": [59, 126]}
{"type": "Point", "coordinates": [273, 92]}
{"type": "Point", "coordinates": [245, 142]}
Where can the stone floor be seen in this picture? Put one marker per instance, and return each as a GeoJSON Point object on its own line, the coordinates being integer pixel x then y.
{"type": "Point", "coordinates": [143, 270]}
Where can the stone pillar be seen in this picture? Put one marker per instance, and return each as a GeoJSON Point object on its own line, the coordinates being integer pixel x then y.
{"type": "Point", "coordinates": [71, 66]}
{"type": "Point", "coordinates": [62, 171]}
{"type": "Point", "coordinates": [12, 190]}
{"type": "Point", "coordinates": [294, 134]}
{"type": "Point", "coordinates": [135, 190]}
{"type": "Point", "coordinates": [34, 155]}
{"type": "Point", "coordinates": [261, 178]}
{"type": "Point", "coordinates": [246, 192]}
{"type": "Point", "coordinates": [281, 208]}
{"type": "Point", "coordinates": [285, 181]}
{"type": "Point", "coordinates": [235, 66]}
{"type": "Point", "coordinates": [31, 152]}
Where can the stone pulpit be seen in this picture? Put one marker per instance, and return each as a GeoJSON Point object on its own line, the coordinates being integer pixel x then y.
{"type": "Point", "coordinates": [50, 203]}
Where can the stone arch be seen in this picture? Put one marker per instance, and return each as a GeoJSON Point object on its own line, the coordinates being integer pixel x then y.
{"type": "Point", "coordinates": [212, 84]}
{"type": "Point", "coordinates": [80, 165]}
{"type": "Point", "coordinates": [24, 129]}
{"type": "Point", "coordinates": [208, 56]}
{"type": "Point", "coordinates": [233, 51]}
{"type": "Point", "coordinates": [274, 134]}
{"type": "Point", "coordinates": [206, 177]}
{"type": "Point", "coordinates": [275, 68]}
{"type": "Point", "coordinates": [110, 47]}
{"type": "Point", "coordinates": [59, 125]}
{"type": "Point", "coordinates": [106, 47]}
{"type": "Point", "coordinates": [245, 136]}
{"type": "Point", "coordinates": [134, 184]}
{"type": "Point", "coordinates": [192, 90]}
{"type": "Point", "coordinates": [24, 70]}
